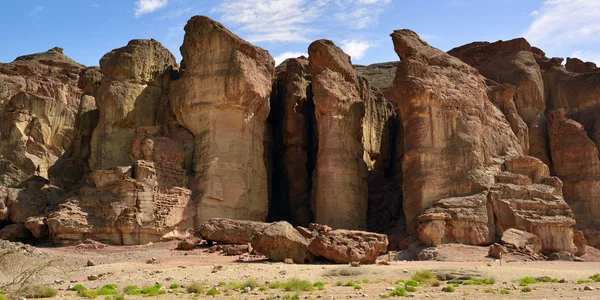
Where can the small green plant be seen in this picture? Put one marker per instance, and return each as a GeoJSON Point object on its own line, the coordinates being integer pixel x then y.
{"type": "Point", "coordinates": [298, 285]}
{"type": "Point", "coordinates": [595, 277]}
{"type": "Point", "coordinates": [412, 282]}
{"type": "Point", "coordinates": [109, 289]}
{"type": "Point", "coordinates": [90, 294]}
{"type": "Point", "coordinates": [250, 283]}
{"type": "Point", "coordinates": [339, 283]}
{"type": "Point", "coordinates": [411, 289]}
{"type": "Point", "coordinates": [448, 289]}
{"type": "Point", "coordinates": [525, 281]}
{"type": "Point", "coordinates": [358, 287]}
{"type": "Point", "coordinates": [291, 297]}
{"type": "Point", "coordinates": [526, 289]}
{"type": "Point", "coordinates": [263, 288]}
{"type": "Point", "coordinates": [2, 297]}
{"type": "Point", "coordinates": [213, 292]}
{"type": "Point", "coordinates": [39, 291]}
{"type": "Point", "coordinates": [319, 285]}
{"type": "Point", "coordinates": [504, 292]}
{"type": "Point", "coordinates": [489, 291]}
{"type": "Point", "coordinates": [580, 281]}
{"type": "Point", "coordinates": [383, 296]}
{"type": "Point", "coordinates": [195, 288]}
{"type": "Point", "coordinates": [174, 286]}
{"type": "Point", "coordinates": [456, 285]}
{"type": "Point", "coordinates": [350, 283]}
{"type": "Point", "coordinates": [222, 283]}
{"type": "Point", "coordinates": [434, 282]}
{"type": "Point", "coordinates": [466, 293]}
{"type": "Point", "coordinates": [79, 288]}
{"type": "Point", "coordinates": [422, 276]}
{"type": "Point", "coordinates": [399, 281]}
{"type": "Point", "coordinates": [398, 292]}
{"type": "Point", "coordinates": [130, 289]}
{"type": "Point", "coordinates": [366, 280]}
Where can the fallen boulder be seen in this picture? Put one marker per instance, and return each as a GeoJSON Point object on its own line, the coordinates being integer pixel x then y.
{"type": "Point", "coordinates": [280, 241]}
{"type": "Point", "coordinates": [229, 231]}
{"type": "Point", "coordinates": [345, 246]}
{"type": "Point", "coordinates": [522, 239]}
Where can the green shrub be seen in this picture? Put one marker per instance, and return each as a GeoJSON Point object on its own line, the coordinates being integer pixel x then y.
{"type": "Point", "coordinates": [263, 288]}
{"type": "Point", "coordinates": [358, 287]}
{"type": "Point", "coordinates": [109, 289]}
{"type": "Point", "coordinates": [422, 276]}
{"type": "Point", "coordinates": [251, 283]}
{"type": "Point", "coordinates": [366, 280]}
{"type": "Point", "coordinates": [115, 297]}
{"type": "Point", "coordinates": [39, 291]}
{"type": "Point", "coordinates": [448, 289]}
{"type": "Point", "coordinates": [525, 281]}
{"type": "Point", "coordinates": [410, 288]}
{"type": "Point", "coordinates": [319, 285]}
{"type": "Point", "coordinates": [174, 286]}
{"type": "Point", "coordinates": [298, 285]}
{"type": "Point", "coordinates": [526, 289]}
{"type": "Point", "coordinates": [350, 283]}
{"type": "Point", "coordinates": [79, 288]}
{"type": "Point", "coordinates": [195, 288]}
{"type": "Point", "coordinates": [290, 297]}
{"type": "Point", "coordinates": [2, 297]}
{"type": "Point", "coordinates": [382, 296]}
{"type": "Point", "coordinates": [153, 290]}
{"type": "Point", "coordinates": [488, 280]}
{"type": "Point", "coordinates": [595, 277]}
{"type": "Point", "coordinates": [90, 294]}
{"type": "Point", "coordinates": [489, 291]}
{"type": "Point", "coordinates": [399, 281]}
{"type": "Point", "coordinates": [339, 283]}
{"type": "Point", "coordinates": [412, 282]}
{"type": "Point", "coordinates": [580, 281]}
{"type": "Point", "coordinates": [504, 292]}
{"type": "Point", "coordinates": [213, 292]}
{"type": "Point", "coordinates": [129, 288]}
{"type": "Point", "coordinates": [398, 292]}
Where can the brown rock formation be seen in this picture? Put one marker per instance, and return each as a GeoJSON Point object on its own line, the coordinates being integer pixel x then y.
{"type": "Point", "coordinates": [340, 190]}
{"type": "Point", "coordinates": [294, 142]}
{"type": "Point", "coordinates": [229, 231]}
{"type": "Point", "coordinates": [452, 132]}
{"type": "Point", "coordinates": [222, 97]}
{"type": "Point", "coordinates": [513, 62]}
{"type": "Point", "coordinates": [345, 246]}
{"type": "Point", "coordinates": [135, 77]}
{"type": "Point", "coordinates": [38, 102]}
{"type": "Point", "coordinates": [576, 65]}
{"type": "Point", "coordinates": [521, 239]}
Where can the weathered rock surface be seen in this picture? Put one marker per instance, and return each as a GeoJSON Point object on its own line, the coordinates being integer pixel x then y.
{"type": "Point", "coordinates": [39, 98]}
{"type": "Point", "coordinates": [294, 142]}
{"type": "Point", "coordinates": [513, 62]}
{"type": "Point", "coordinates": [188, 243]}
{"type": "Point", "coordinates": [222, 97]}
{"type": "Point", "coordinates": [452, 132]}
{"type": "Point", "coordinates": [576, 65]}
{"type": "Point", "coordinates": [281, 240]}
{"type": "Point", "coordinates": [345, 246]}
{"type": "Point", "coordinates": [135, 77]}
{"type": "Point", "coordinates": [340, 190]}
{"type": "Point", "coordinates": [521, 239]}
{"type": "Point", "coordinates": [229, 231]}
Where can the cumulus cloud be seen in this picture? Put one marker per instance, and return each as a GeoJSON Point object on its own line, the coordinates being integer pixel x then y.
{"type": "Point", "coordinates": [560, 22]}
{"type": "Point", "coordinates": [288, 54]}
{"type": "Point", "coordinates": [359, 14]}
{"type": "Point", "coordinates": [534, 13]}
{"type": "Point", "coordinates": [356, 48]}
{"type": "Point", "coordinates": [587, 56]}
{"type": "Point", "coordinates": [147, 6]}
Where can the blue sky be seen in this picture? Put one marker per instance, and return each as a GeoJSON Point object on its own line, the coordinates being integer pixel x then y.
{"type": "Point", "coordinates": [87, 29]}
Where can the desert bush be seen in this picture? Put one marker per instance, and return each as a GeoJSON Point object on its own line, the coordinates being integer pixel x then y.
{"type": "Point", "coordinates": [410, 288]}
{"type": "Point", "coordinates": [525, 281]}
{"type": "Point", "coordinates": [422, 276]}
{"type": "Point", "coordinates": [448, 289]}
{"type": "Point", "coordinates": [213, 292]}
{"type": "Point", "coordinates": [195, 288]}
{"type": "Point", "coordinates": [109, 289]}
{"type": "Point", "coordinates": [319, 285]}
{"type": "Point", "coordinates": [526, 289]}
{"type": "Point", "coordinates": [38, 291]}
{"type": "Point", "coordinates": [398, 292]}
{"type": "Point", "coordinates": [504, 292]}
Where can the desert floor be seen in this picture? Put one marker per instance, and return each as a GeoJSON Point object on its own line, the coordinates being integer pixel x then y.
{"type": "Point", "coordinates": [127, 265]}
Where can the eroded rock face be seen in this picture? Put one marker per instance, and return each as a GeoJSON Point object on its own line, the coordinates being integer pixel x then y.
{"type": "Point", "coordinates": [135, 77]}
{"type": "Point", "coordinates": [575, 161]}
{"type": "Point", "coordinates": [222, 98]}
{"type": "Point", "coordinates": [340, 189]}
{"type": "Point", "coordinates": [513, 62]}
{"type": "Point", "coordinates": [39, 98]}
{"type": "Point", "coordinates": [576, 65]}
{"type": "Point", "coordinates": [521, 239]}
{"type": "Point", "coordinates": [294, 142]}
{"type": "Point", "coordinates": [452, 133]}
{"type": "Point", "coordinates": [229, 231]}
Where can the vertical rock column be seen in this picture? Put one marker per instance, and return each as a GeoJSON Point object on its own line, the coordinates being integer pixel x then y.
{"type": "Point", "coordinates": [222, 97]}
{"type": "Point", "coordinates": [340, 189]}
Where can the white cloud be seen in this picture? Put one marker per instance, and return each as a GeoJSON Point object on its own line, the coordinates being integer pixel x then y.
{"type": "Point", "coordinates": [534, 13]}
{"type": "Point", "coordinates": [565, 22]}
{"type": "Point", "coordinates": [288, 54]}
{"type": "Point", "coordinates": [587, 56]}
{"type": "Point", "coordinates": [356, 48]}
{"type": "Point", "coordinates": [147, 6]}
{"type": "Point", "coordinates": [296, 20]}
{"type": "Point", "coordinates": [38, 9]}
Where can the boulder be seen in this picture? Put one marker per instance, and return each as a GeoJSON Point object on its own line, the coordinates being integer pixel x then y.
{"type": "Point", "coordinates": [279, 241]}
{"type": "Point", "coordinates": [229, 231]}
{"type": "Point", "coordinates": [580, 242]}
{"type": "Point", "coordinates": [37, 226]}
{"type": "Point", "coordinates": [188, 243]}
{"type": "Point", "coordinates": [15, 233]}
{"type": "Point", "coordinates": [562, 255]}
{"type": "Point", "coordinates": [345, 246]}
{"type": "Point", "coordinates": [222, 98]}
{"type": "Point", "coordinates": [521, 239]}
{"type": "Point", "coordinates": [497, 250]}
